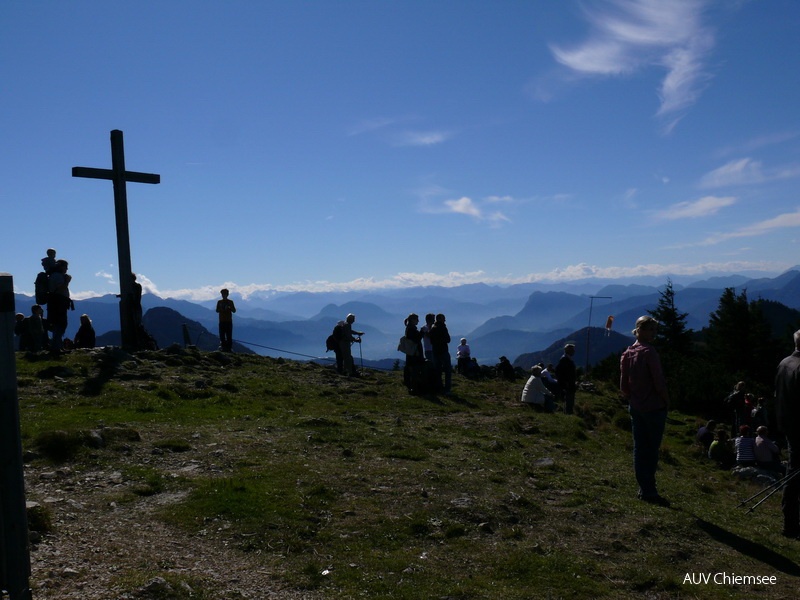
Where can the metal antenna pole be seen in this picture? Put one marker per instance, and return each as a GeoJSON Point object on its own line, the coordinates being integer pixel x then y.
{"type": "Point", "coordinates": [589, 328]}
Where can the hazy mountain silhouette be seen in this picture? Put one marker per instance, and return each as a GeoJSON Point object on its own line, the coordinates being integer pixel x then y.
{"type": "Point", "coordinates": [167, 327]}
{"type": "Point", "coordinates": [601, 345]}
{"type": "Point", "coordinates": [514, 320]}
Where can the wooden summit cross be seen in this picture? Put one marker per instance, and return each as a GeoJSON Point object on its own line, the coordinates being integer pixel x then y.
{"type": "Point", "coordinates": [120, 176]}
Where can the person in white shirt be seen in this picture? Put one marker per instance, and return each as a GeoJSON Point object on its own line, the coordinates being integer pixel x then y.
{"type": "Point", "coordinates": [535, 391]}
{"type": "Point", "coordinates": [463, 357]}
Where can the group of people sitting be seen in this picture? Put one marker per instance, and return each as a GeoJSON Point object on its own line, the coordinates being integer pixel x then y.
{"type": "Point", "coordinates": [744, 450]}
{"type": "Point", "coordinates": [32, 332]}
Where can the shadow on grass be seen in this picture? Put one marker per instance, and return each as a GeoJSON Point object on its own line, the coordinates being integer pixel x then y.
{"type": "Point", "coordinates": [750, 548]}
{"type": "Point", "coordinates": [93, 386]}
{"type": "Point", "coordinates": [456, 399]}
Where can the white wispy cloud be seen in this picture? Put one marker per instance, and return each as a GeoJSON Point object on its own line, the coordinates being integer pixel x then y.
{"type": "Point", "coordinates": [746, 171]}
{"type": "Point", "coordinates": [110, 279]}
{"type": "Point", "coordinates": [629, 35]}
{"type": "Point", "coordinates": [464, 206]}
{"type": "Point", "coordinates": [496, 219]}
{"type": "Point", "coordinates": [471, 208]}
{"type": "Point", "coordinates": [421, 138]}
{"type": "Point", "coordinates": [407, 279]}
{"type": "Point", "coordinates": [105, 275]}
{"type": "Point", "coordinates": [783, 221]}
{"type": "Point", "coordinates": [148, 286]}
{"type": "Point", "coordinates": [704, 207]}
{"type": "Point", "coordinates": [400, 131]}
{"type": "Point", "coordinates": [742, 171]}
{"type": "Point", "coordinates": [761, 141]}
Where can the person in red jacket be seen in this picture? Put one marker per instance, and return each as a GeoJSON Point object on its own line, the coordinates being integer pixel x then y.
{"type": "Point", "coordinates": [643, 385]}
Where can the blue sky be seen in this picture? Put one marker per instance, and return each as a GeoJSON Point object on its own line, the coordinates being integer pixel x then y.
{"type": "Point", "coordinates": [352, 144]}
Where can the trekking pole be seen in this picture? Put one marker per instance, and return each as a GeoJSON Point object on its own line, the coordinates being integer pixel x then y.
{"type": "Point", "coordinates": [781, 483]}
{"type": "Point", "coordinates": [360, 354]}
{"type": "Point", "coordinates": [765, 498]}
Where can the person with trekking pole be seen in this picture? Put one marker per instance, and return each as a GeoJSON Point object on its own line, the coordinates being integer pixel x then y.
{"type": "Point", "coordinates": [349, 336]}
{"type": "Point", "coordinates": [787, 408]}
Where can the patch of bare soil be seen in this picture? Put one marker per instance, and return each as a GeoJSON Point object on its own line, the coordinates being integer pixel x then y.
{"type": "Point", "coordinates": [106, 544]}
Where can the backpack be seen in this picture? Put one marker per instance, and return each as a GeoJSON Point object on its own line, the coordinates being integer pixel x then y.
{"type": "Point", "coordinates": [42, 288]}
{"type": "Point", "coordinates": [332, 341]}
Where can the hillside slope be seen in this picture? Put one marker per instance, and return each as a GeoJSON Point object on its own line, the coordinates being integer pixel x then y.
{"type": "Point", "coordinates": [186, 474]}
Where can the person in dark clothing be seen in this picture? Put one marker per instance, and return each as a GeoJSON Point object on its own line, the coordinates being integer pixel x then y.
{"type": "Point", "coordinates": [425, 330]}
{"type": "Point", "coordinates": [440, 338]}
{"type": "Point", "coordinates": [49, 261]}
{"type": "Point", "coordinates": [705, 435]}
{"type": "Point", "coordinates": [566, 376]}
{"type": "Point", "coordinates": [136, 301]}
{"type": "Point", "coordinates": [20, 330]}
{"type": "Point", "coordinates": [58, 304]}
{"type": "Point", "coordinates": [85, 337]}
{"type": "Point", "coordinates": [412, 372]}
{"type": "Point", "coordinates": [225, 309]}
{"type": "Point", "coordinates": [505, 369]}
{"type": "Point", "coordinates": [736, 404]}
{"type": "Point", "coordinates": [336, 345]}
{"type": "Point", "coordinates": [787, 408]}
{"type": "Point", "coordinates": [349, 337]}
{"type": "Point", "coordinates": [38, 329]}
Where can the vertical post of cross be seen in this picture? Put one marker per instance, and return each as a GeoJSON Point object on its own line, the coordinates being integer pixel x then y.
{"type": "Point", "coordinates": [119, 176]}
{"type": "Point", "coordinates": [127, 328]}
{"type": "Point", "coordinates": [15, 565]}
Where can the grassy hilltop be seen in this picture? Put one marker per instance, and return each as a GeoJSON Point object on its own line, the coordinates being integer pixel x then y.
{"type": "Point", "coordinates": [330, 487]}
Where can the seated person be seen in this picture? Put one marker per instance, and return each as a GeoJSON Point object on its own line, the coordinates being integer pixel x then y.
{"type": "Point", "coordinates": [768, 455]}
{"type": "Point", "coordinates": [536, 393]}
{"type": "Point", "coordinates": [745, 448]}
{"type": "Point", "coordinates": [705, 435]}
{"type": "Point", "coordinates": [85, 337]}
{"type": "Point", "coordinates": [720, 450]}
{"type": "Point", "coordinates": [505, 369]}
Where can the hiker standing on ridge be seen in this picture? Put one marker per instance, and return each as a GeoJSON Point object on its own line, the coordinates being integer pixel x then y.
{"type": "Point", "coordinates": [136, 301]}
{"type": "Point", "coordinates": [440, 338]}
{"type": "Point", "coordinates": [787, 408]}
{"type": "Point", "coordinates": [349, 335]}
{"type": "Point", "coordinates": [643, 385]}
{"type": "Point", "coordinates": [58, 303]}
{"type": "Point", "coordinates": [425, 330]}
{"type": "Point", "coordinates": [412, 373]}
{"type": "Point", "coordinates": [225, 309]}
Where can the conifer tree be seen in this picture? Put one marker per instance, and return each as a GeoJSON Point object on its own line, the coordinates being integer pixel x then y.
{"type": "Point", "coordinates": [739, 340]}
{"type": "Point", "coordinates": [673, 336]}
{"type": "Point", "coordinates": [674, 344]}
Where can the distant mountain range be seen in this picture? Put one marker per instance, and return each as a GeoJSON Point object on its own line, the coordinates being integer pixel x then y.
{"type": "Point", "coordinates": [519, 321]}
